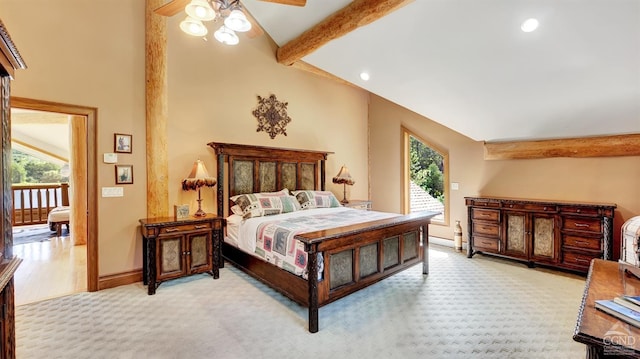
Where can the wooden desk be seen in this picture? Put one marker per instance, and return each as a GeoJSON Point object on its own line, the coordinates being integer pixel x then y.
{"type": "Point", "coordinates": [602, 333]}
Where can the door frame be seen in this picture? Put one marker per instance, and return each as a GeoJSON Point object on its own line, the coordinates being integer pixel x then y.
{"type": "Point", "coordinates": [91, 117]}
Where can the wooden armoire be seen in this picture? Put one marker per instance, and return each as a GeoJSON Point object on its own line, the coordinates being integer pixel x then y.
{"type": "Point", "coordinates": [10, 61]}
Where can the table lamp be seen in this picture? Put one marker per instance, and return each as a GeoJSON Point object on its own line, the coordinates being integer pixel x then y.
{"type": "Point", "coordinates": [197, 178]}
{"type": "Point", "coordinates": [343, 177]}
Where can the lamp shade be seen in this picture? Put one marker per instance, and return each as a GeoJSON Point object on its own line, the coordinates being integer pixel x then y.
{"type": "Point", "coordinates": [193, 27]}
{"type": "Point", "coordinates": [200, 10]}
{"type": "Point", "coordinates": [198, 177]}
{"type": "Point", "coordinates": [226, 36]}
{"type": "Point", "coordinates": [344, 177]}
{"type": "Point", "coordinates": [237, 21]}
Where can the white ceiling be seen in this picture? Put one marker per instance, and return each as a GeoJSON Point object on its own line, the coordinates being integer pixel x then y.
{"type": "Point", "coordinates": [45, 133]}
{"type": "Point", "coordinates": [467, 65]}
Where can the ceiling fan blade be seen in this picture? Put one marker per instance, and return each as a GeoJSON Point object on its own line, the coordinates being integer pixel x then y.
{"type": "Point", "coordinates": [172, 7]}
{"type": "Point", "coordinates": [288, 2]}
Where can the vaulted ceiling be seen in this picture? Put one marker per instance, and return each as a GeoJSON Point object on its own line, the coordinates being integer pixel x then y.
{"type": "Point", "coordinates": [44, 135]}
{"type": "Point", "coordinates": [468, 65]}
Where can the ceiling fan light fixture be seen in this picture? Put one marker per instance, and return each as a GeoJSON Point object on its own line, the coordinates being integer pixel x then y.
{"type": "Point", "coordinates": [200, 10]}
{"type": "Point", "coordinates": [193, 27]}
{"type": "Point", "coordinates": [226, 36]}
{"type": "Point", "coordinates": [237, 21]}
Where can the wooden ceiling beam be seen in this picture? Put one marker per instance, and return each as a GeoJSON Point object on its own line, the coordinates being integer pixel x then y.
{"type": "Point", "coordinates": [602, 146]}
{"type": "Point", "coordinates": [356, 14]}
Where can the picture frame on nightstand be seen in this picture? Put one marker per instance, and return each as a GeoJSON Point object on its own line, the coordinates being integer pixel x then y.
{"type": "Point", "coordinates": [181, 211]}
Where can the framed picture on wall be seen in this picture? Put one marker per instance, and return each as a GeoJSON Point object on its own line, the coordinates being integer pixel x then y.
{"type": "Point", "coordinates": [122, 143]}
{"type": "Point", "coordinates": [124, 174]}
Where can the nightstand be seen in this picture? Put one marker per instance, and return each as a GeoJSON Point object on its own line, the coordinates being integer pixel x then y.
{"type": "Point", "coordinates": [358, 204]}
{"type": "Point", "coordinates": [176, 248]}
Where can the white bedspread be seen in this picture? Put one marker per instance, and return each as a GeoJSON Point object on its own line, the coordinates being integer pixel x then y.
{"type": "Point", "coordinates": [275, 243]}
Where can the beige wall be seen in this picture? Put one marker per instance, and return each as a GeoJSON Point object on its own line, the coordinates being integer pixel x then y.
{"type": "Point", "coordinates": [91, 53]}
{"type": "Point", "coordinates": [465, 159]}
{"type": "Point", "coordinates": [611, 180]}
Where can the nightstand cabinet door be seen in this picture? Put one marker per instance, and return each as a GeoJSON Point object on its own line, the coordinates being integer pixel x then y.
{"type": "Point", "coordinates": [199, 253]}
{"type": "Point", "coordinates": [170, 254]}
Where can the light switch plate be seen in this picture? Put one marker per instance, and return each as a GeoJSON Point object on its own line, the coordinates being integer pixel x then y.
{"type": "Point", "coordinates": [455, 186]}
{"type": "Point", "coordinates": [112, 191]}
{"type": "Point", "coordinates": [110, 158]}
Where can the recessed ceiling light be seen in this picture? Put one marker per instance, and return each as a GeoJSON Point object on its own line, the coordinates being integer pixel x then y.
{"type": "Point", "coordinates": [529, 25]}
{"type": "Point", "coordinates": [364, 76]}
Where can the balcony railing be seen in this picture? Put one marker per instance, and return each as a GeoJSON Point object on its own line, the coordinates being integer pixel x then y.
{"type": "Point", "coordinates": [33, 202]}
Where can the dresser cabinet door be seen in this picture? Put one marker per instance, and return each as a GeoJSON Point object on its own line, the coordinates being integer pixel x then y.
{"type": "Point", "coordinates": [543, 236]}
{"type": "Point", "coordinates": [515, 237]}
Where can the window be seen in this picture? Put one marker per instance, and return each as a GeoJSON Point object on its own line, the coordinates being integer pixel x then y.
{"type": "Point", "coordinates": [426, 177]}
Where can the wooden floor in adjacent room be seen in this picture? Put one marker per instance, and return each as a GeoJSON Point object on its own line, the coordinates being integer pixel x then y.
{"type": "Point", "coordinates": [49, 269]}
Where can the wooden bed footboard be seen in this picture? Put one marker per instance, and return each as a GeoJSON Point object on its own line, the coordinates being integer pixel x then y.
{"type": "Point", "coordinates": [360, 255]}
{"type": "Point", "coordinates": [354, 258]}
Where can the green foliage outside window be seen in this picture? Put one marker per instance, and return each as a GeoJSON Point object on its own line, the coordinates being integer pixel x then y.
{"type": "Point", "coordinates": [28, 169]}
{"type": "Point", "coordinates": [426, 168]}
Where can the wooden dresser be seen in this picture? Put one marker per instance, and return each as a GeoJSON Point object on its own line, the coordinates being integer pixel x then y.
{"type": "Point", "coordinates": [565, 235]}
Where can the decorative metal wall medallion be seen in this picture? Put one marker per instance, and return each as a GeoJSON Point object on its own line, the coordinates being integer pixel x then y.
{"type": "Point", "coordinates": [272, 116]}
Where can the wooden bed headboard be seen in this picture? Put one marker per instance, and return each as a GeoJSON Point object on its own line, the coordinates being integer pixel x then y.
{"type": "Point", "coordinates": [255, 169]}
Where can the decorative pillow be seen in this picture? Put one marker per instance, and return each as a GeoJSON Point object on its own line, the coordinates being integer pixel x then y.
{"type": "Point", "coordinates": [316, 199]}
{"type": "Point", "coordinates": [265, 203]}
{"type": "Point", "coordinates": [236, 210]}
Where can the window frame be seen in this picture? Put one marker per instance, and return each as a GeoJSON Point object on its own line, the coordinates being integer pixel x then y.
{"type": "Point", "coordinates": [406, 164]}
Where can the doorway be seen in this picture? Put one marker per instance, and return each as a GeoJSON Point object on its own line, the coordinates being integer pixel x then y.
{"type": "Point", "coordinates": [85, 262]}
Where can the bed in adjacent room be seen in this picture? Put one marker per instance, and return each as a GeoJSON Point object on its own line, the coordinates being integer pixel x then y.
{"type": "Point", "coordinates": [286, 230]}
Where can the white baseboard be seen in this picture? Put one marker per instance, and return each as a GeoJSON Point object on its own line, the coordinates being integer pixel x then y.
{"type": "Point", "coordinates": [445, 242]}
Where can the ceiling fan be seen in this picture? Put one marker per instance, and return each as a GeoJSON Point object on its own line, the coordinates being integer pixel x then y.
{"type": "Point", "coordinates": [233, 15]}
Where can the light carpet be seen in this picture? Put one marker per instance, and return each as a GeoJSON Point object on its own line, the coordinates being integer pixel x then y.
{"type": "Point", "coordinates": [465, 308]}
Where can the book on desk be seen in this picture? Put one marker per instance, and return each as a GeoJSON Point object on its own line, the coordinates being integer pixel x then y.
{"type": "Point", "coordinates": [621, 308]}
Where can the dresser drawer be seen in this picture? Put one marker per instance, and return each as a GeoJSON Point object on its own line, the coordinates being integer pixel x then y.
{"type": "Point", "coordinates": [536, 207]}
{"type": "Point", "coordinates": [487, 244]}
{"type": "Point", "coordinates": [581, 242]}
{"type": "Point", "coordinates": [485, 214]}
{"type": "Point", "coordinates": [578, 260]}
{"type": "Point", "coordinates": [582, 224]}
{"type": "Point", "coordinates": [185, 228]}
{"type": "Point", "coordinates": [583, 211]}
{"type": "Point", "coordinates": [490, 229]}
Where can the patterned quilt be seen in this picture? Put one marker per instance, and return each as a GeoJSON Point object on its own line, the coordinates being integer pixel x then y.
{"type": "Point", "coordinates": [275, 242]}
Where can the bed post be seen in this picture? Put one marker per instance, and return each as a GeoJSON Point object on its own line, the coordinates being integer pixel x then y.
{"type": "Point", "coordinates": [312, 265]}
{"type": "Point", "coordinates": [323, 174]}
{"type": "Point", "coordinates": [220, 204]}
{"type": "Point", "coordinates": [424, 240]}
{"type": "Point", "coordinates": [220, 196]}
